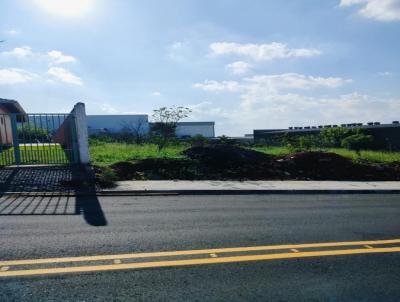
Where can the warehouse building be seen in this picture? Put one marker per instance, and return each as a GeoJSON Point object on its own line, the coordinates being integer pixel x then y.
{"type": "Point", "coordinates": [140, 124]}
{"type": "Point", "coordinates": [386, 136]}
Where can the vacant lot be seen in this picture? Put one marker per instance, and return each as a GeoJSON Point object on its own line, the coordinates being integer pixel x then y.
{"type": "Point", "coordinates": [120, 161]}
{"type": "Point", "coordinates": [109, 153]}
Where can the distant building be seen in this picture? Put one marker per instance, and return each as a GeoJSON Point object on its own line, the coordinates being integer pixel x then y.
{"type": "Point", "coordinates": [7, 107]}
{"type": "Point", "coordinates": [190, 129]}
{"type": "Point", "coordinates": [386, 136]}
{"type": "Point", "coordinates": [117, 123]}
{"type": "Point", "coordinates": [140, 123]}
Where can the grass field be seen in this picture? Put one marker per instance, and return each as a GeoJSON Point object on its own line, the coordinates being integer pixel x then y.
{"type": "Point", "coordinates": [109, 153]}
{"type": "Point", "coordinates": [33, 154]}
{"type": "Point", "coordinates": [369, 155]}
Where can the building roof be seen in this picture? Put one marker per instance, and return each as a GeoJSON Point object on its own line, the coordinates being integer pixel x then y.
{"type": "Point", "coordinates": [11, 106]}
{"type": "Point", "coordinates": [316, 129]}
{"type": "Point", "coordinates": [196, 123]}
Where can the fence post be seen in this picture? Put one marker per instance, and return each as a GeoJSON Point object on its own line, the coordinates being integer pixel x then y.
{"type": "Point", "coordinates": [14, 128]}
{"type": "Point", "coordinates": [81, 133]}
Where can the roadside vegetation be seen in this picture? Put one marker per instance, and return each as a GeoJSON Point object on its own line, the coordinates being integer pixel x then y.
{"type": "Point", "coordinates": [105, 153]}
{"type": "Point", "coordinates": [373, 156]}
{"type": "Point", "coordinates": [199, 159]}
{"type": "Point", "coordinates": [333, 154]}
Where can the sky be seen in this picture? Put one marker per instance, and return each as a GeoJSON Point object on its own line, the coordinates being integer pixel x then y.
{"type": "Point", "coordinates": [260, 64]}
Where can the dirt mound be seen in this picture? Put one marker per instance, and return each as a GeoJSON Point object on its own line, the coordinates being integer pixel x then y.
{"type": "Point", "coordinates": [225, 162]}
{"type": "Point", "coordinates": [124, 170]}
{"type": "Point", "coordinates": [226, 155]}
{"type": "Point", "coordinates": [331, 166]}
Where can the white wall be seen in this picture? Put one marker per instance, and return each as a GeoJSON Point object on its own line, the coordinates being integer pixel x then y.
{"type": "Point", "coordinates": [116, 123]}
{"type": "Point", "coordinates": [82, 132]}
{"type": "Point", "coordinates": [205, 129]}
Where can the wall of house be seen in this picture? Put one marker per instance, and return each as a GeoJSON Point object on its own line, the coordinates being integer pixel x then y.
{"type": "Point", "coordinates": [117, 123]}
{"type": "Point", "coordinates": [5, 129]}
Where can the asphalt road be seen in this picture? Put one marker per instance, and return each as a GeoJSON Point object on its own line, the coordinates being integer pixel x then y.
{"type": "Point", "coordinates": [57, 227]}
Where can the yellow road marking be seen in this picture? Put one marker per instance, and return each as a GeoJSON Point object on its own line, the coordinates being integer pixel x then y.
{"type": "Point", "coordinates": [81, 269]}
{"type": "Point", "coordinates": [195, 252]}
{"type": "Point", "coordinates": [4, 268]}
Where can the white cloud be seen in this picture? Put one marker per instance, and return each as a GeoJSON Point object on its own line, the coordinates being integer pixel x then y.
{"type": "Point", "coordinates": [107, 108]}
{"type": "Point", "coordinates": [262, 52]}
{"type": "Point", "coordinates": [207, 85]}
{"type": "Point", "coordinates": [179, 51]}
{"type": "Point", "coordinates": [239, 67]}
{"type": "Point", "coordinates": [20, 52]}
{"type": "Point", "coordinates": [285, 110]}
{"type": "Point", "coordinates": [11, 32]}
{"type": "Point", "coordinates": [156, 93]}
{"type": "Point", "coordinates": [66, 8]}
{"type": "Point", "coordinates": [54, 56]}
{"type": "Point", "coordinates": [293, 81]}
{"type": "Point", "coordinates": [274, 111]}
{"type": "Point", "coordinates": [272, 83]}
{"type": "Point", "coordinates": [177, 45]}
{"type": "Point", "coordinates": [385, 73]}
{"type": "Point", "coordinates": [351, 2]}
{"type": "Point", "coordinates": [58, 57]}
{"type": "Point", "coordinates": [270, 101]}
{"type": "Point", "coordinates": [381, 10]}
{"type": "Point", "coordinates": [65, 76]}
{"type": "Point", "coordinates": [11, 76]}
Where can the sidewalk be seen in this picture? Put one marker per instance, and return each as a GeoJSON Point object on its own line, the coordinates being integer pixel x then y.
{"type": "Point", "coordinates": [252, 187]}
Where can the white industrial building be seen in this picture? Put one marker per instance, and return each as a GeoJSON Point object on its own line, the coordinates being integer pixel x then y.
{"type": "Point", "coordinates": [205, 129]}
{"type": "Point", "coordinates": [140, 123]}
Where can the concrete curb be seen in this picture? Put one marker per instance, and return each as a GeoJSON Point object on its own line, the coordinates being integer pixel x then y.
{"type": "Point", "coordinates": [201, 192]}
{"type": "Point", "coordinates": [244, 192]}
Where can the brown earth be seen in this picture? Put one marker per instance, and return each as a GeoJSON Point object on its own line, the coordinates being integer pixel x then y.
{"type": "Point", "coordinates": [226, 162]}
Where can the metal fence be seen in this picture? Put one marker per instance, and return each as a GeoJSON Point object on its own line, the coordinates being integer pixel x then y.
{"type": "Point", "coordinates": [32, 139]}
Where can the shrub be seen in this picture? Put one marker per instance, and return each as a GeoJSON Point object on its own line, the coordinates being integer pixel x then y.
{"type": "Point", "coordinates": [333, 137]}
{"type": "Point", "coordinates": [198, 140]}
{"type": "Point", "coordinates": [28, 133]}
{"type": "Point", "coordinates": [357, 142]}
{"type": "Point", "coordinates": [297, 143]}
{"type": "Point", "coordinates": [225, 140]}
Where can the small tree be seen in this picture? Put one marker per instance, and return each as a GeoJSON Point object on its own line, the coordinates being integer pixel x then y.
{"type": "Point", "coordinates": [164, 124]}
{"type": "Point", "coordinates": [134, 131]}
{"type": "Point", "coordinates": [198, 140]}
{"type": "Point", "coordinates": [333, 137]}
{"type": "Point", "coordinates": [358, 142]}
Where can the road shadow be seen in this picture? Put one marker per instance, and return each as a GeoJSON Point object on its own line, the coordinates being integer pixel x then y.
{"type": "Point", "coordinates": [87, 201]}
{"type": "Point", "coordinates": [75, 187]}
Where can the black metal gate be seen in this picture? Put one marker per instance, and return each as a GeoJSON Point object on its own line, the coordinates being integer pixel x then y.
{"type": "Point", "coordinates": [38, 139]}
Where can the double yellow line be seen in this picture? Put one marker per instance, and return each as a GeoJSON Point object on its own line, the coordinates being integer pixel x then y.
{"type": "Point", "coordinates": [208, 256]}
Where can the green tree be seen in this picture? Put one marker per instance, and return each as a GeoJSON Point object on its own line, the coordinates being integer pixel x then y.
{"type": "Point", "coordinates": [358, 142]}
{"type": "Point", "coordinates": [333, 137]}
{"type": "Point", "coordinates": [164, 124]}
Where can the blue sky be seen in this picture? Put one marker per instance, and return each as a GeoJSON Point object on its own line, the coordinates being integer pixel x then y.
{"type": "Point", "coordinates": [244, 64]}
